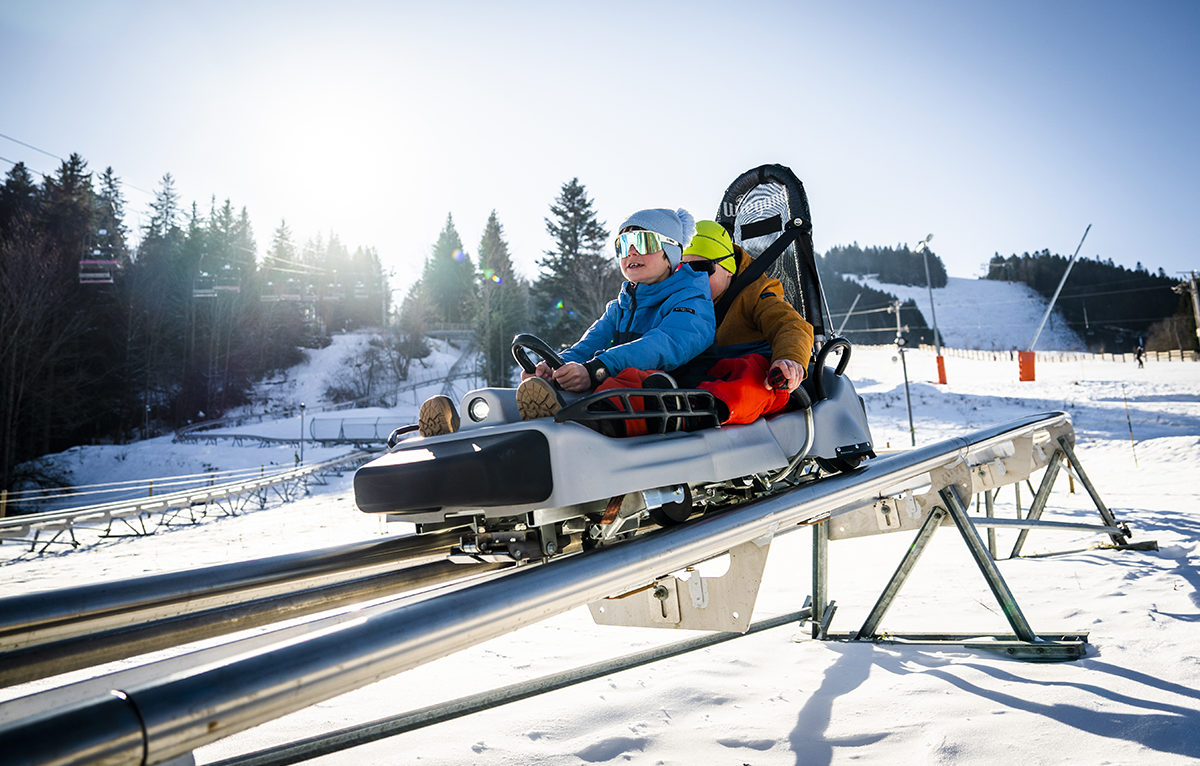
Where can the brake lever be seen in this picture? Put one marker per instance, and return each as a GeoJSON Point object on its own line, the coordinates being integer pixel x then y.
{"type": "Point", "coordinates": [776, 379]}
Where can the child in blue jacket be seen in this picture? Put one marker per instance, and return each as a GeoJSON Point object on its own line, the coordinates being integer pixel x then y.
{"type": "Point", "coordinates": [659, 320]}
{"type": "Point", "coordinates": [662, 318]}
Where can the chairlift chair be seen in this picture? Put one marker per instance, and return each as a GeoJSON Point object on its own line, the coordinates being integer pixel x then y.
{"type": "Point", "coordinates": [270, 293]}
{"type": "Point", "coordinates": [95, 271]}
{"type": "Point", "coordinates": [97, 266]}
{"type": "Point", "coordinates": [290, 291]}
{"type": "Point", "coordinates": [228, 280]}
{"type": "Point", "coordinates": [204, 286]}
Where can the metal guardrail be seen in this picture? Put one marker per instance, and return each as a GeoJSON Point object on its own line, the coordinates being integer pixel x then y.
{"type": "Point", "coordinates": [162, 719]}
{"type": "Point", "coordinates": [134, 518]}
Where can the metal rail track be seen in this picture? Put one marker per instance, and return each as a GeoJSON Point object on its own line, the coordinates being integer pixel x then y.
{"type": "Point", "coordinates": [48, 633]}
{"type": "Point", "coordinates": [39, 531]}
{"type": "Point", "coordinates": [157, 719]}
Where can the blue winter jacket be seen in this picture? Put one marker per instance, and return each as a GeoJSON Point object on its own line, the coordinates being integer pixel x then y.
{"type": "Point", "coordinates": [651, 327]}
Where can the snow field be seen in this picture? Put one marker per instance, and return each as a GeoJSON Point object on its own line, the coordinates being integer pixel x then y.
{"type": "Point", "coordinates": [777, 697]}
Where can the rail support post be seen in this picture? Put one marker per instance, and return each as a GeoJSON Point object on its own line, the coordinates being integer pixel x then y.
{"type": "Point", "coordinates": [821, 610]}
{"type": "Point", "coordinates": [1039, 499]}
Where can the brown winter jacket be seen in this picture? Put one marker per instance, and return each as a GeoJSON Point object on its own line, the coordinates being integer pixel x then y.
{"type": "Point", "coordinates": [761, 312]}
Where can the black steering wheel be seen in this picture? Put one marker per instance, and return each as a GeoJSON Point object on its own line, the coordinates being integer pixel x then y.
{"type": "Point", "coordinates": [524, 342]}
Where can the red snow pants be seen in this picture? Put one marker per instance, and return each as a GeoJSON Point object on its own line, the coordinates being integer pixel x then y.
{"type": "Point", "coordinates": [741, 384]}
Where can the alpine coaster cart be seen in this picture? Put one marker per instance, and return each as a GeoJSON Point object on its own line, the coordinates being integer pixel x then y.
{"type": "Point", "coordinates": [529, 490]}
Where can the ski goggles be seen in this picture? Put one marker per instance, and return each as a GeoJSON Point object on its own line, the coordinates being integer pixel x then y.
{"type": "Point", "coordinates": [706, 266]}
{"type": "Point", "coordinates": [645, 242]}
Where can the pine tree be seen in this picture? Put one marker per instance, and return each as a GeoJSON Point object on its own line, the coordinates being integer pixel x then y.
{"type": "Point", "coordinates": [1111, 307]}
{"type": "Point", "coordinates": [244, 247]}
{"type": "Point", "coordinates": [894, 265]}
{"type": "Point", "coordinates": [371, 285]}
{"type": "Point", "coordinates": [282, 248]}
{"type": "Point", "coordinates": [161, 305]}
{"type": "Point", "coordinates": [18, 197]}
{"type": "Point", "coordinates": [109, 217]}
{"type": "Point", "coordinates": [577, 277]}
{"type": "Point", "coordinates": [448, 278]}
{"type": "Point", "coordinates": [68, 202]}
{"type": "Point", "coordinates": [502, 307]}
{"type": "Point", "coordinates": [164, 209]}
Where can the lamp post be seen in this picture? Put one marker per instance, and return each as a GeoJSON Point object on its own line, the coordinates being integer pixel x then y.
{"type": "Point", "coordinates": [900, 343]}
{"type": "Point", "coordinates": [302, 405]}
{"type": "Point", "coordinates": [923, 249]}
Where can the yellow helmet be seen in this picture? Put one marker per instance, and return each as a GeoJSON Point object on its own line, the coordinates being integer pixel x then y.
{"type": "Point", "coordinates": [714, 243]}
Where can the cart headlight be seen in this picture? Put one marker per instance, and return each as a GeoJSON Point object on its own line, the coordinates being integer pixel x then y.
{"type": "Point", "coordinates": [478, 409]}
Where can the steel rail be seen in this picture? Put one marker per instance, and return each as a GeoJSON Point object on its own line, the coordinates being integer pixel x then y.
{"type": "Point", "coordinates": [46, 660]}
{"type": "Point", "coordinates": [51, 632]}
{"type": "Point", "coordinates": [56, 698]}
{"type": "Point", "coordinates": [12, 527]}
{"type": "Point", "coordinates": [157, 721]}
{"type": "Point", "coordinates": [361, 734]}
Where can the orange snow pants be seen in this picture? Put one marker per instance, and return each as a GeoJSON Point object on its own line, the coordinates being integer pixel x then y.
{"type": "Point", "coordinates": [741, 383]}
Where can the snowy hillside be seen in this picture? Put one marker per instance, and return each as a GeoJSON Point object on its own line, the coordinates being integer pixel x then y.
{"type": "Point", "coordinates": [272, 413]}
{"type": "Point", "coordinates": [987, 314]}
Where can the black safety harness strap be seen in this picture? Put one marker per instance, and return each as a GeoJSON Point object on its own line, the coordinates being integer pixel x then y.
{"type": "Point", "coordinates": [791, 232]}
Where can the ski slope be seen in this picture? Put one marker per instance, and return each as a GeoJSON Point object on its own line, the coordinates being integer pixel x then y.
{"type": "Point", "coordinates": [987, 314]}
{"type": "Point", "coordinates": [777, 697]}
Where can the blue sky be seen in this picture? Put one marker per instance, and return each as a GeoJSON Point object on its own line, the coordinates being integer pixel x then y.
{"type": "Point", "coordinates": [998, 127]}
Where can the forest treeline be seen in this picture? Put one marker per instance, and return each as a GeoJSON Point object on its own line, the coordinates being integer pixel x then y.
{"type": "Point", "coordinates": [1111, 307]}
{"type": "Point", "coordinates": [102, 342]}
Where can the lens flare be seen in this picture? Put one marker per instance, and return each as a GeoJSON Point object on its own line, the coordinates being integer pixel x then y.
{"type": "Point", "coordinates": [458, 255]}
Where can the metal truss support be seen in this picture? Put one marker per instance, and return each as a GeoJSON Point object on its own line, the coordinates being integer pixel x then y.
{"type": "Point", "coordinates": [987, 564]}
{"type": "Point", "coordinates": [1119, 534]}
{"type": "Point", "coordinates": [1022, 643]}
{"type": "Point", "coordinates": [1105, 514]}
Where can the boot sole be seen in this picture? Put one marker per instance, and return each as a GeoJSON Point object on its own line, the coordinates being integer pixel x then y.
{"type": "Point", "coordinates": [435, 419]}
{"type": "Point", "coordinates": [536, 402]}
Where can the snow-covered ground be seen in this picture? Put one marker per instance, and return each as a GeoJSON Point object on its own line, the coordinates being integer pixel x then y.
{"type": "Point", "coordinates": [777, 697]}
{"type": "Point", "coordinates": [987, 314]}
